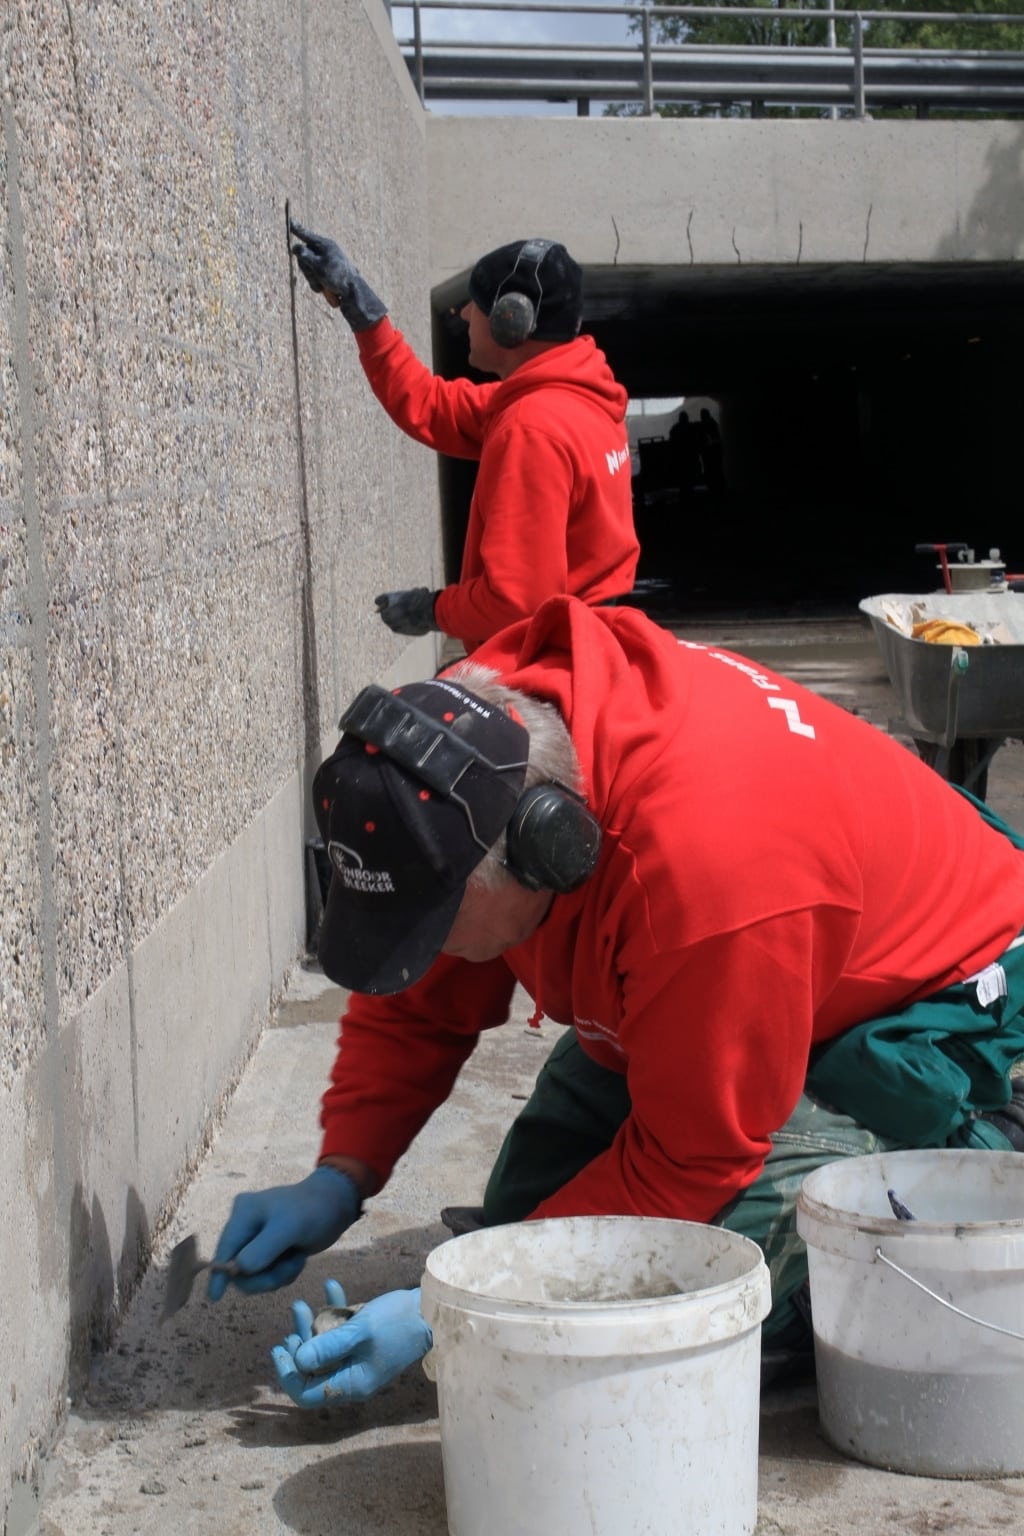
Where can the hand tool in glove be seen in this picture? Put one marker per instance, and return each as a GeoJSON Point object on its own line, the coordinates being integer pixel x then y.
{"type": "Point", "coordinates": [328, 270]}
{"type": "Point", "coordinates": [272, 1232]}
{"type": "Point", "coordinates": [183, 1267]}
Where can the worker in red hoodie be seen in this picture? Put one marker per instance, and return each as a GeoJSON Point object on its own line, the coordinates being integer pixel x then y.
{"type": "Point", "coordinates": [552, 508]}
{"type": "Point", "coordinates": [776, 937]}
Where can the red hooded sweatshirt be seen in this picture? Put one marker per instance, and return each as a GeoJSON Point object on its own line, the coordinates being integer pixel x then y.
{"type": "Point", "coordinates": [773, 870]}
{"type": "Point", "coordinates": [552, 510]}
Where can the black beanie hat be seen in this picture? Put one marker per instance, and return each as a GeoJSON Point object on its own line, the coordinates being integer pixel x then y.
{"type": "Point", "coordinates": [550, 278]}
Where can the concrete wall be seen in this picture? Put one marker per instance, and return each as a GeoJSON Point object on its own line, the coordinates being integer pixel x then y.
{"type": "Point", "coordinates": [631, 191]}
{"type": "Point", "coordinates": [198, 500]}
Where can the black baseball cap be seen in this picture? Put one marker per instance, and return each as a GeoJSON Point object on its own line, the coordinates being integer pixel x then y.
{"type": "Point", "coordinates": [422, 783]}
{"type": "Point", "coordinates": [553, 279]}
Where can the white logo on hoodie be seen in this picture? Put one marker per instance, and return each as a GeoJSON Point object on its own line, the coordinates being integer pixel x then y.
{"type": "Point", "coordinates": [615, 461]}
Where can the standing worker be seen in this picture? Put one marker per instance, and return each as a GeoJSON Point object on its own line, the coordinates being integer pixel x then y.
{"type": "Point", "coordinates": [776, 938]}
{"type": "Point", "coordinates": [552, 509]}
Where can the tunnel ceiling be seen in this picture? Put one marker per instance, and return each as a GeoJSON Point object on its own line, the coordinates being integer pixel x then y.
{"type": "Point", "coordinates": [672, 330]}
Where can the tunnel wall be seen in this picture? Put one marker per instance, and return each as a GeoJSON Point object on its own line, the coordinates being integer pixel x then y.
{"type": "Point", "coordinates": [646, 191]}
{"type": "Point", "coordinates": [833, 476]}
{"type": "Point", "coordinates": [198, 500]}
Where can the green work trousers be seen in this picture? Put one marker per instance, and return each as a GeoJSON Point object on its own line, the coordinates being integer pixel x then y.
{"type": "Point", "coordinates": [573, 1114]}
{"type": "Point", "coordinates": [929, 1072]}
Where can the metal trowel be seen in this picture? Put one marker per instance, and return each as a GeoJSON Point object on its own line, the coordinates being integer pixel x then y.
{"type": "Point", "coordinates": [184, 1265]}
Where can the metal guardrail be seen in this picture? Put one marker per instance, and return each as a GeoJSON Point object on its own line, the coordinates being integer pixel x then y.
{"type": "Point", "coordinates": [852, 77]}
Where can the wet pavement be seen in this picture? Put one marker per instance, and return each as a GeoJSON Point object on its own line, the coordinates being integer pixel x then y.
{"type": "Point", "coordinates": [181, 1429]}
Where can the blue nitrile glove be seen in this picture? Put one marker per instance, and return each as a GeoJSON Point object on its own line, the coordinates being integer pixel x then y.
{"type": "Point", "coordinates": [272, 1232]}
{"type": "Point", "coordinates": [410, 612]}
{"type": "Point", "coordinates": [325, 266]}
{"type": "Point", "coordinates": [353, 1361]}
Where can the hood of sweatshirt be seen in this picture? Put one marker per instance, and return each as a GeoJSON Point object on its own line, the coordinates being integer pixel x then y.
{"type": "Point", "coordinates": [578, 366]}
{"type": "Point", "coordinates": [613, 676]}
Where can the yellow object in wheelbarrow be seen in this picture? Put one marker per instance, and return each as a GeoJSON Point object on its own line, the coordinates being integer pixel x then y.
{"type": "Point", "coordinates": [945, 632]}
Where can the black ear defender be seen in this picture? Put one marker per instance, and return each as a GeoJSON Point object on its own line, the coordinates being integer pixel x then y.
{"type": "Point", "coordinates": [552, 839]}
{"type": "Point", "coordinates": [514, 315]}
{"type": "Point", "coordinates": [552, 842]}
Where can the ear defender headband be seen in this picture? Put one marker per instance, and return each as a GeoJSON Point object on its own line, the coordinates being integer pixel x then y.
{"type": "Point", "coordinates": [553, 841]}
{"type": "Point", "coordinates": [514, 315]}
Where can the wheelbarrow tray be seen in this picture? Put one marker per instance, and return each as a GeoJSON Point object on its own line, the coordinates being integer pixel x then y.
{"type": "Point", "coordinates": [987, 699]}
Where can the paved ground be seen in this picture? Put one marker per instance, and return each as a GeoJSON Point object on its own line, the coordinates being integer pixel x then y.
{"type": "Point", "coordinates": [180, 1429]}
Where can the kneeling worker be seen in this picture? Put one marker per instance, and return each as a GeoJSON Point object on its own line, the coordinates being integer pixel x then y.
{"type": "Point", "coordinates": [733, 892]}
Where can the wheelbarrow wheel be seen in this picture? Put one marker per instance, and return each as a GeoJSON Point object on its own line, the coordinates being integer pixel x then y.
{"type": "Point", "coordinates": [965, 762]}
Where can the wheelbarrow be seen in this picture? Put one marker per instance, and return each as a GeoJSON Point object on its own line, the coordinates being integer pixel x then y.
{"type": "Point", "coordinates": [959, 703]}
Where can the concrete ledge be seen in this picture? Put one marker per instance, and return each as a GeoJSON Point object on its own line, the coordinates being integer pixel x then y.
{"type": "Point", "coordinates": [105, 1129]}
{"type": "Point", "coordinates": [706, 191]}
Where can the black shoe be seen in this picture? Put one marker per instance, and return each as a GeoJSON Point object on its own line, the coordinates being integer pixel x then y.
{"type": "Point", "coordinates": [786, 1367]}
{"type": "Point", "coordinates": [460, 1219]}
{"type": "Point", "coordinates": [1010, 1119]}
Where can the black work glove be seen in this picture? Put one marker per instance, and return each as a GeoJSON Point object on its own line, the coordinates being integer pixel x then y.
{"type": "Point", "coordinates": [410, 612]}
{"type": "Point", "coordinates": [328, 270]}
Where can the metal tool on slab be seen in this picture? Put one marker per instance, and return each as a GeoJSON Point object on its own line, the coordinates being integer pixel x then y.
{"type": "Point", "coordinates": [185, 1264]}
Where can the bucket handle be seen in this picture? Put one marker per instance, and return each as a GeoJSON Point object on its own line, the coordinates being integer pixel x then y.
{"type": "Point", "coordinates": [1008, 1332]}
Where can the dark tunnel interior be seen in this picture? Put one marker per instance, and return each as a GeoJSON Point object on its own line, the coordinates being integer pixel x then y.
{"type": "Point", "coordinates": [853, 413]}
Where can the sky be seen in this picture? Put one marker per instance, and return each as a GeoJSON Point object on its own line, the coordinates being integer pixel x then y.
{"type": "Point", "coordinates": [469, 25]}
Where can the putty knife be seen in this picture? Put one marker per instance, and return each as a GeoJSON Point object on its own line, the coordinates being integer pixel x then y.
{"type": "Point", "coordinates": [184, 1265]}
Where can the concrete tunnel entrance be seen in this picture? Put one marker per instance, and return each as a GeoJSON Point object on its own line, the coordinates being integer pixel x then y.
{"type": "Point", "coordinates": [861, 410]}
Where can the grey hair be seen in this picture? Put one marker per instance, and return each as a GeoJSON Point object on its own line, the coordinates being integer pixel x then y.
{"type": "Point", "coordinates": [553, 757]}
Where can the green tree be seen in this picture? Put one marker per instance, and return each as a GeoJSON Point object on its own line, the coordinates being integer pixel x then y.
{"type": "Point", "coordinates": [778, 28]}
{"type": "Point", "coordinates": [781, 30]}
{"type": "Point", "coordinates": [988, 37]}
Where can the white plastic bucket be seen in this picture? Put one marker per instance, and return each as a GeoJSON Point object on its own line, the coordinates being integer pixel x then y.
{"type": "Point", "coordinates": [598, 1375]}
{"type": "Point", "coordinates": [919, 1325]}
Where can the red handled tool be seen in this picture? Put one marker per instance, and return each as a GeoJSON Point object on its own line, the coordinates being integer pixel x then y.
{"type": "Point", "coordinates": [942, 550]}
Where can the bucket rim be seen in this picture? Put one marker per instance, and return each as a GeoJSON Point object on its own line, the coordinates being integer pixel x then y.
{"type": "Point", "coordinates": [734, 1240]}
{"type": "Point", "coordinates": [942, 1244]}
{"type": "Point", "coordinates": [648, 1306]}
{"type": "Point", "coordinates": [886, 1224]}
{"type": "Point", "coordinates": [747, 1293]}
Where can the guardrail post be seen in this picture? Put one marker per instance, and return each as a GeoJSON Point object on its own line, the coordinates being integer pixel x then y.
{"type": "Point", "coordinates": [858, 66]}
{"type": "Point", "coordinates": [648, 66]}
{"type": "Point", "coordinates": [417, 32]}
